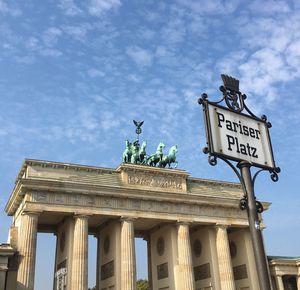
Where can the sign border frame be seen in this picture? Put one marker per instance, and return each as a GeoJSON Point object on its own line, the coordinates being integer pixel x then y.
{"type": "Point", "coordinates": [209, 140]}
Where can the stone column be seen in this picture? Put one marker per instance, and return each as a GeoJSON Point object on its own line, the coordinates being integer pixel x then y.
{"type": "Point", "coordinates": [185, 263]}
{"type": "Point", "coordinates": [224, 258]}
{"type": "Point", "coordinates": [128, 268]}
{"type": "Point", "coordinates": [279, 282]}
{"type": "Point", "coordinates": [27, 250]}
{"type": "Point", "coordinates": [80, 254]}
{"type": "Point", "coordinates": [298, 282]}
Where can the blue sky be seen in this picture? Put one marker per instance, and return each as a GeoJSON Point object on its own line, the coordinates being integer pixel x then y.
{"type": "Point", "coordinates": [74, 74]}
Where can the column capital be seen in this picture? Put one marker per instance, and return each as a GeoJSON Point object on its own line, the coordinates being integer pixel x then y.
{"type": "Point", "coordinates": [222, 226]}
{"type": "Point", "coordinates": [31, 212]}
{"type": "Point", "coordinates": [127, 218]}
{"type": "Point", "coordinates": [81, 215]}
{"type": "Point", "coordinates": [183, 223]}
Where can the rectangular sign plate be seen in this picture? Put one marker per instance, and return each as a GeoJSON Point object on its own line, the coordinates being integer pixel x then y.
{"type": "Point", "coordinates": [238, 137]}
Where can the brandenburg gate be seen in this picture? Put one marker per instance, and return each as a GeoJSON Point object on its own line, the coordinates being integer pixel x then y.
{"type": "Point", "coordinates": [197, 236]}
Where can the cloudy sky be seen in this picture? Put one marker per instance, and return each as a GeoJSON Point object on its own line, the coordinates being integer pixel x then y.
{"type": "Point", "coordinates": [74, 74]}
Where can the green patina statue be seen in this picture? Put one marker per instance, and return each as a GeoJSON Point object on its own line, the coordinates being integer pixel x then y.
{"type": "Point", "coordinates": [136, 154]}
{"type": "Point", "coordinates": [142, 152]}
{"type": "Point", "coordinates": [170, 158]}
{"type": "Point", "coordinates": [127, 152]}
{"type": "Point", "coordinates": [157, 156]}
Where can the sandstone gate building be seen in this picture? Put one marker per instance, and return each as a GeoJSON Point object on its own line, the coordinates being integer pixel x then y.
{"type": "Point", "coordinates": [197, 237]}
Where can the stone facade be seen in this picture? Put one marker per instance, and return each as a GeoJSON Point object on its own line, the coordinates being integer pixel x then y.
{"type": "Point", "coordinates": [285, 272]}
{"type": "Point", "coordinates": [197, 236]}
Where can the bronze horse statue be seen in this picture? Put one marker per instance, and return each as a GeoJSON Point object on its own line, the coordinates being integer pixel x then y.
{"type": "Point", "coordinates": [138, 153]}
{"type": "Point", "coordinates": [170, 158]}
{"type": "Point", "coordinates": [157, 156]}
{"type": "Point", "coordinates": [127, 152]}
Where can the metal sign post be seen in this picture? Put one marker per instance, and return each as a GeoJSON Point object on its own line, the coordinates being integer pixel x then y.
{"type": "Point", "coordinates": [255, 230]}
{"type": "Point", "coordinates": [236, 134]}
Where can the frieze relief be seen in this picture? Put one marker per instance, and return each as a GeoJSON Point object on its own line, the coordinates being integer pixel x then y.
{"type": "Point", "coordinates": [136, 205]}
{"type": "Point", "coordinates": [156, 181]}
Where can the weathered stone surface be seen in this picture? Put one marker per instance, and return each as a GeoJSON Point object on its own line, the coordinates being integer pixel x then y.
{"type": "Point", "coordinates": [224, 260]}
{"type": "Point", "coordinates": [128, 267]}
{"type": "Point", "coordinates": [185, 263]}
{"type": "Point", "coordinates": [27, 251]}
{"type": "Point", "coordinates": [152, 199]}
{"type": "Point", "coordinates": [80, 254]}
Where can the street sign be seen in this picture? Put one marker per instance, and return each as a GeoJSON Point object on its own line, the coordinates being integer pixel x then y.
{"type": "Point", "coordinates": [237, 136]}
{"type": "Point", "coordinates": [233, 135]}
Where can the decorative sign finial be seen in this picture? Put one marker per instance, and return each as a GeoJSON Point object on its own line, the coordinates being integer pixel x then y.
{"type": "Point", "coordinates": [230, 83]}
{"type": "Point", "coordinates": [231, 92]}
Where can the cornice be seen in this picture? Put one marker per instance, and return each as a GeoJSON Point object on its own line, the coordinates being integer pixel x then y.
{"type": "Point", "coordinates": [145, 168]}
{"type": "Point", "coordinates": [61, 165]}
{"type": "Point", "coordinates": [25, 183]}
{"type": "Point", "coordinates": [29, 185]}
{"type": "Point", "coordinates": [212, 182]}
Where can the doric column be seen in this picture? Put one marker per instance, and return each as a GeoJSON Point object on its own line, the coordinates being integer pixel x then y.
{"type": "Point", "coordinates": [128, 269]}
{"type": "Point", "coordinates": [224, 258]}
{"type": "Point", "coordinates": [80, 254]}
{"type": "Point", "coordinates": [298, 281]}
{"type": "Point", "coordinates": [185, 263]}
{"type": "Point", "coordinates": [279, 282]}
{"type": "Point", "coordinates": [27, 250]}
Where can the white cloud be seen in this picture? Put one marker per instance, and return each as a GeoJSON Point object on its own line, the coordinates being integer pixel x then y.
{"type": "Point", "coordinates": [268, 54]}
{"type": "Point", "coordinates": [293, 54]}
{"type": "Point", "coordinates": [32, 43]}
{"type": "Point", "coordinates": [210, 7]}
{"type": "Point", "coordinates": [50, 52]}
{"type": "Point", "coordinates": [269, 7]}
{"type": "Point", "coordinates": [9, 9]}
{"type": "Point", "coordinates": [134, 78]}
{"type": "Point", "coordinates": [98, 7]}
{"type": "Point", "coordinates": [140, 56]}
{"type": "Point", "coordinates": [174, 32]}
{"type": "Point", "coordinates": [109, 120]}
{"type": "Point", "coordinates": [51, 36]}
{"type": "Point", "coordinates": [99, 99]}
{"type": "Point", "coordinates": [70, 8]}
{"type": "Point", "coordinates": [78, 32]}
{"type": "Point", "coordinates": [160, 51]}
{"type": "Point", "coordinates": [92, 72]}
{"type": "Point", "coordinates": [87, 119]}
{"type": "Point", "coordinates": [24, 59]}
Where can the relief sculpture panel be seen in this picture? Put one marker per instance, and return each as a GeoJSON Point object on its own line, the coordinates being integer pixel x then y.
{"type": "Point", "coordinates": [156, 181]}
{"type": "Point", "coordinates": [135, 204]}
